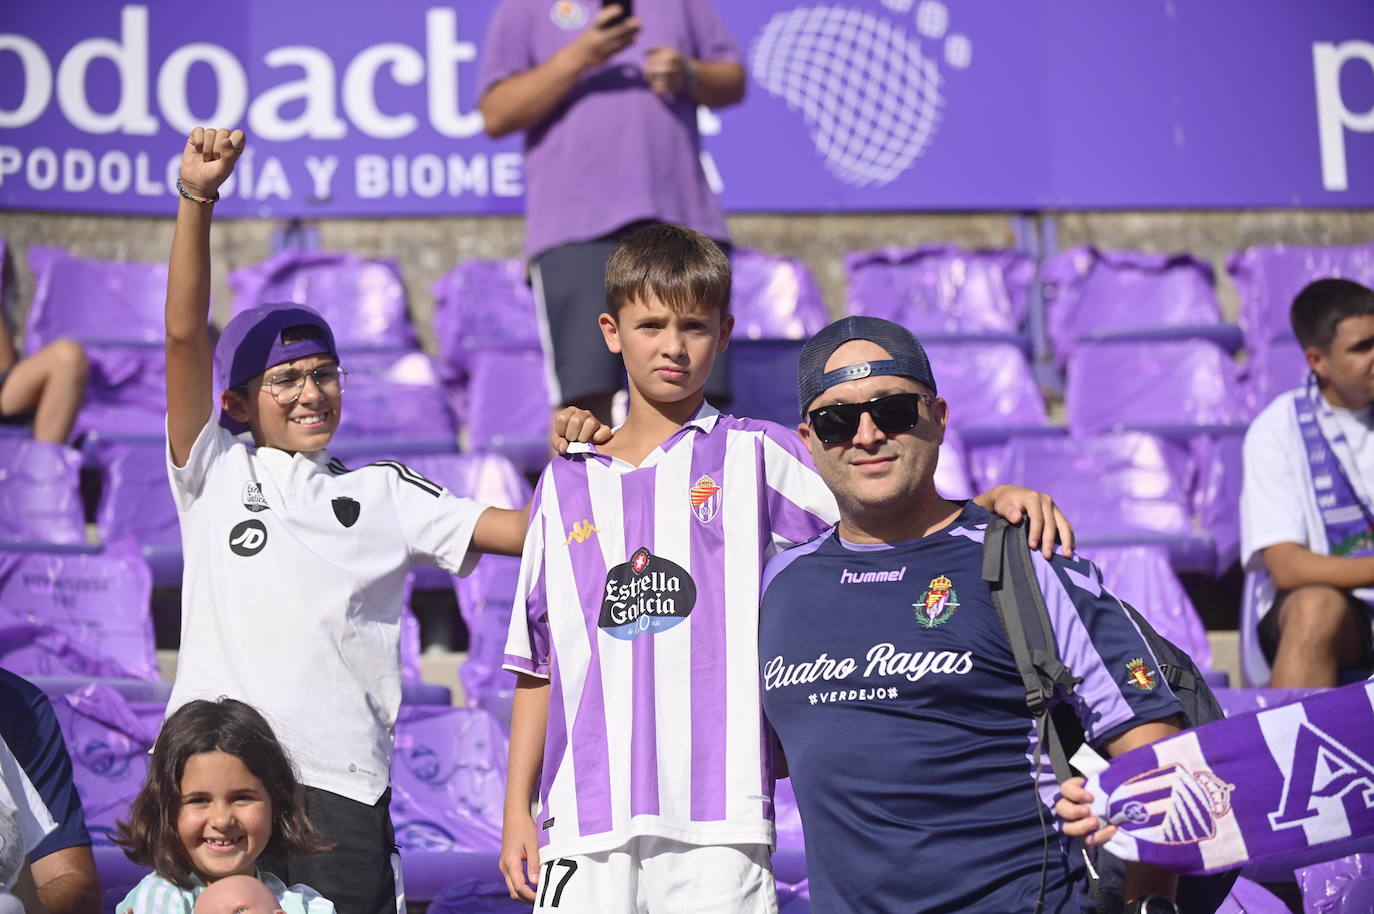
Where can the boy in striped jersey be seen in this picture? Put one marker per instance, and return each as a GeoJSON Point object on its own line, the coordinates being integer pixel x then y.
{"type": "Point", "coordinates": [637, 722]}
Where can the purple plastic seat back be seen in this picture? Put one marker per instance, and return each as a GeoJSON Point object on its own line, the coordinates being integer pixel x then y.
{"type": "Point", "coordinates": [1216, 491]}
{"type": "Point", "coordinates": [448, 778]}
{"type": "Point", "coordinates": [1088, 290]}
{"type": "Point", "coordinates": [951, 473]}
{"type": "Point", "coordinates": [1152, 383]}
{"type": "Point", "coordinates": [941, 288]}
{"type": "Point", "coordinates": [77, 614]}
{"type": "Point", "coordinates": [115, 310]}
{"type": "Point", "coordinates": [1274, 367]}
{"type": "Point", "coordinates": [1109, 484]}
{"type": "Point", "coordinates": [507, 405]}
{"type": "Point", "coordinates": [108, 739]}
{"type": "Point", "coordinates": [774, 297]}
{"type": "Point", "coordinates": [40, 493]}
{"type": "Point", "coordinates": [1342, 886]}
{"type": "Point", "coordinates": [394, 394]}
{"type": "Point", "coordinates": [483, 304]}
{"type": "Point", "coordinates": [986, 384]}
{"type": "Point", "coordinates": [135, 497]}
{"type": "Point", "coordinates": [363, 299]}
{"type": "Point", "coordinates": [1142, 576]}
{"type": "Point", "coordinates": [1269, 277]}
{"type": "Point", "coordinates": [94, 300]}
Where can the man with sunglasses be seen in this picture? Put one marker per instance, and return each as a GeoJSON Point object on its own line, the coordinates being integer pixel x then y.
{"type": "Point", "coordinates": [888, 678]}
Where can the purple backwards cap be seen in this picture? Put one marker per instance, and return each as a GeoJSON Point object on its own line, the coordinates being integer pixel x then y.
{"type": "Point", "coordinates": [252, 342]}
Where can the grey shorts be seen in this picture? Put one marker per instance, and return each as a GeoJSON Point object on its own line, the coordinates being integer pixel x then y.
{"type": "Point", "coordinates": [570, 291]}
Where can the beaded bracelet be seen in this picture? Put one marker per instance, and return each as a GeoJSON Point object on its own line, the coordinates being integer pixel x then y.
{"type": "Point", "coordinates": [194, 198]}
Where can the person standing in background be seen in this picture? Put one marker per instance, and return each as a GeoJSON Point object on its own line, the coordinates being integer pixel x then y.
{"type": "Point", "coordinates": [608, 105]}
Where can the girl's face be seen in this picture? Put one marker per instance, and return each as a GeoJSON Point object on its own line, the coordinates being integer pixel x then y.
{"type": "Point", "coordinates": [225, 820]}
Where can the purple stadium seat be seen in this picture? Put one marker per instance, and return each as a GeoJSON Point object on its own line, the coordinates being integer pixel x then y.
{"type": "Point", "coordinates": [136, 500]}
{"type": "Point", "coordinates": [777, 307]}
{"type": "Point", "coordinates": [108, 738]}
{"type": "Point", "coordinates": [363, 299]}
{"type": "Point", "coordinates": [941, 289]}
{"type": "Point", "coordinates": [394, 394]}
{"type": "Point", "coordinates": [1167, 387]}
{"type": "Point", "coordinates": [1273, 367]}
{"type": "Point", "coordinates": [1269, 277]}
{"type": "Point", "coordinates": [774, 297]}
{"type": "Point", "coordinates": [485, 894]}
{"type": "Point", "coordinates": [1141, 576]}
{"type": "Point", "coordinates": [951, 473]}
{"type": "Point", "coordinates": [115, 309]}
{"type": "Point", "coordinates": [1128, 488]}
{"type": "Point", "coordinates": [1254, 666]}
{"type": "Point", "coordinates": [1244, 700]}
{"type": "Point", "coordinates": [1341, 886]}
{"type": "Point", "coordinates": [448, 779]}
{"type": "Point", "coordinates": [40, 494]}
{"type": "Point", "coordinates": [989, 389]}
{"type": "Point", "coordinates": [77, 613]}
{"type": "Point", "coordinates": [1090, 292]}
{"type": "Point", "coordinates": [1216, 491]}
{"type": "Point", "coordinates": [492, 361]}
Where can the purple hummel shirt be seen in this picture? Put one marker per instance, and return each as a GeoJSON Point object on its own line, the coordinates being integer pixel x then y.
{"type": "Point", "coordinates": [614, 153]}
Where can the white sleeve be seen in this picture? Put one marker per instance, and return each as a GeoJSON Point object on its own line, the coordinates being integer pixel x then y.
{"type": "Point", "coordinates": [437, 524]}
{"type": "Point", "coordinates": [529, 639]}
{"type": "Point", "coordinates": [1275, 488]}
{"type": "Point", "coordinates": [799, 504]}
{"type": "Point", "coordinates": [213, 442]}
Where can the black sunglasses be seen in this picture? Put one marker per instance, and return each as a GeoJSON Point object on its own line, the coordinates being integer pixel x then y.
{"type": "Point", "coordinates": [892, 414]}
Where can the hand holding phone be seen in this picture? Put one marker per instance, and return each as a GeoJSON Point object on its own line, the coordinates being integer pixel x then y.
{"type": "Point", "coordinates": [626, 11]}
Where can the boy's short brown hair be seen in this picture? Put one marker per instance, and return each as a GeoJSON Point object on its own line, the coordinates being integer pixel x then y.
{"type": "Point", "coordinates": [680, 267]}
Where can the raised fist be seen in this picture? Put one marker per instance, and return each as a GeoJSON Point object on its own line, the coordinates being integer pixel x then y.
{"type": "Point", "coordinates": [208, 159]}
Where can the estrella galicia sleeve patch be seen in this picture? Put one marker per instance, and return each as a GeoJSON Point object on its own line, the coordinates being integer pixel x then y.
{"type": "Point", "coordinates": [647, 594]}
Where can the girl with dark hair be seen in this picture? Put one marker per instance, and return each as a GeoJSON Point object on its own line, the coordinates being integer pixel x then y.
{"type": "Point", "coordinates": [220, 792]}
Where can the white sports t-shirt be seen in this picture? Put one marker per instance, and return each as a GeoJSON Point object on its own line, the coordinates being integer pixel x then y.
{"type": "Point", "coordinates": [1278, 502]}
{"type": "Point", "coordinates": [291, 599]}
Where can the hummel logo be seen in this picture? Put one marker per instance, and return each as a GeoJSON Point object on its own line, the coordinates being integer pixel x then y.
{"type": "Point", "coordinates": [580, 532]}
{"type": "Point", "coordinates": [870, 577]}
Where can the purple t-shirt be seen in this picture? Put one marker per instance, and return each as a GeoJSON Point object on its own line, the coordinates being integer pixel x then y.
{"type": "Point", "coordinates": [614, 153]}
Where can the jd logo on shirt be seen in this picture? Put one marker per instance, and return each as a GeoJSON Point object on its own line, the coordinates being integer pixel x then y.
{"type": "Point", "coordinates": [646, 594]}
{"type": "Point", "coordinates": [248, 538]}
{"type": "Point", "coordinates": [346, 510]}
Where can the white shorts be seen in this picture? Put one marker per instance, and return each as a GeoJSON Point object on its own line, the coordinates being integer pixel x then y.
{"type": "Point", "coordinates": [658, 876]}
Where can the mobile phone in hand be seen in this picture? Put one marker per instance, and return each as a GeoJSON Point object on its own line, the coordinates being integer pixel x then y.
{"type": "Point", "coordinates": [626, 7]}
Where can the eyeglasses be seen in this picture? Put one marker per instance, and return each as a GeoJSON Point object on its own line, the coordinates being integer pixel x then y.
{"type": "Point", "coordinates": [892, 414]}
{"type": "Point", "coordinates": [286, 386]}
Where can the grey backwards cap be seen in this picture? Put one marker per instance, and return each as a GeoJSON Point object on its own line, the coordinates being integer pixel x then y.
{"type": "Point", "coordinates": [908, 358]}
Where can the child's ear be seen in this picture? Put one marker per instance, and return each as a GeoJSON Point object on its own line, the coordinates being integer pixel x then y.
{"type": "Point", "coordinates": [233, 404]}
{"type": "Point", "coordinates": [610, 332]}
{"type": "Point", "coordinates": [727, 326]}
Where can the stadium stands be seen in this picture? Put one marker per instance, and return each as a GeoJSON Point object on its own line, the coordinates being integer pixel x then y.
{"type": "Point", "coordinates": [40, 494]}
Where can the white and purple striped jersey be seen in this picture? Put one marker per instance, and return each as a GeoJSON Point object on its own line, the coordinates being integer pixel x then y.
{"type": "Point", "coordinates": [639, 594]}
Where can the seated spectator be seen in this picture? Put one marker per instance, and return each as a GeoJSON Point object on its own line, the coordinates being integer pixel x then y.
{"type": "Point", "coordinates": [1306, 515]}
{"type": "Point", "coordinates": [45, 388]}
{"type": "Point", "coordinates": [45, 850]}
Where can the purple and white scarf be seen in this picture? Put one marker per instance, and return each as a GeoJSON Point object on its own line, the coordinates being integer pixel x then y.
{"type": "Point", "coordinates": [1258, 785]}
{"type": "Point", "coordinates": [1343, 501]}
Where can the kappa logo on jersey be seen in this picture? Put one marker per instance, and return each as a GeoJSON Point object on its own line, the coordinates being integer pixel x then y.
{"type": "Point", "coordinates": [253, 498]}
{"type": "Point", "coordinates": [248, 538]}
{"type": "Point", "coordinates": [937, 604]}
{"type": "Point", "coordinates": [568, 14]}
{"type": "Point", "coordinates": [1324, 774]}
{"type": "Point", "coordinates": [646, 594]}
{"type": "Point", "coordinates": [1142, 677]}
{"type": "Point", "coordinates": [346, 510]}
{"type": "Point", "coordinates": [580, 532]}
{"type": "Point", "coordinates": [705, 499]}
{"type": "Point", "coordinates": [1175, 805]}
